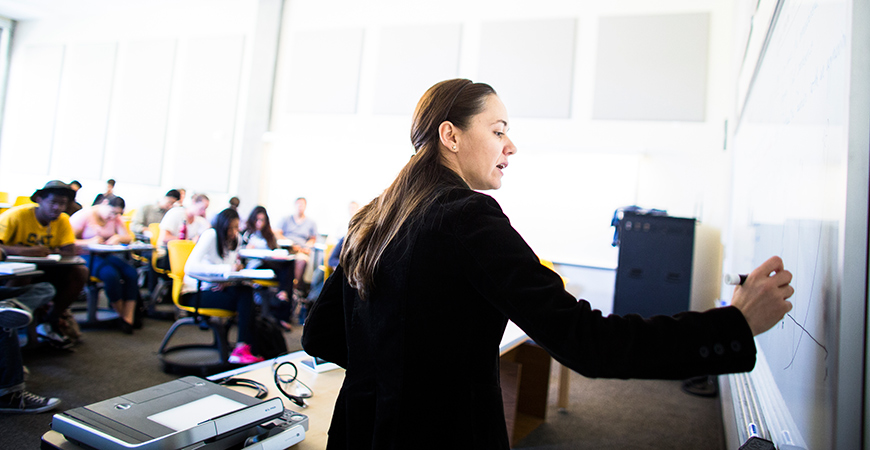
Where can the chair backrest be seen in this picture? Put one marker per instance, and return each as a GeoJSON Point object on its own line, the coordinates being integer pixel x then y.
{"type": "Point", "coordinates": [4, 197]}
{"type": "Point", "coordinates": [549, 264]}
{"type": "Point", "coordinates": [154, 229]}
{"type": "Point", "coordinates": [22, 200]}
{"type": "Point", "coordinates": [327, 269]}
{"type": "Point", "coordinates": [179, 251]}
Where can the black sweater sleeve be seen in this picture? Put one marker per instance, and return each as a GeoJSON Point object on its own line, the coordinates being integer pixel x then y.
{"type": "Point", "coordinates": [324, 335]}
{"type": "Point", "coordinates": [509, 275]}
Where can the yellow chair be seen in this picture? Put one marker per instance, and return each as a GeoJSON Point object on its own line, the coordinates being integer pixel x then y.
{"type": "Point", "coordinates": [127, 218]}
{"type": "Point", "coordinates": [22, 200]}
{"type": "Point", "coordinates": [327, 269]}
{"type": "Point", "coordinates": [154, 228]}
{"type": "Point", "coordinates": [193, 356]}
{"type": "Point", "coordinates": [4, 199]}
{"type": "Point", "coordinates": [549, 264]}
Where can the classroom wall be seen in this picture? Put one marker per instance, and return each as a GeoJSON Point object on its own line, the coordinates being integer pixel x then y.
{"type": "Point", "coordinates": [350, 73]}
{"type": "Point", "coordinates": [610, 105]}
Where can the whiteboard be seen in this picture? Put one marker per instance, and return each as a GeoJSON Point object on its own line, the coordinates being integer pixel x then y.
{"type": "Point", "coordinates": [795, 171]}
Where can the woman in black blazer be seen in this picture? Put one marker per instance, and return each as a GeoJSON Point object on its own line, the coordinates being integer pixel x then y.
{"type": "Point", "coordinates": [431, 272]}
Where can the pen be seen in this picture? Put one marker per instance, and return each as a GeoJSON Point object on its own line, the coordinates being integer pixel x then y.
{"type": "Point", "coordinates": [734, 279]}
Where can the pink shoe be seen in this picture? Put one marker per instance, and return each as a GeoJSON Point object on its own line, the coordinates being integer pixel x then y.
{"type": "Point", "coordinates": [242, 355]}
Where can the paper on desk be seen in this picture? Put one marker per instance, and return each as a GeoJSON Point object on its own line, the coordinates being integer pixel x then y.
{"type": "Point", "coordinates": [260, 274]}
{"type": "Point", "coordinates": [106, 247]}
{"type": "Point", "coordinates": [16, 267]}
{"type": "Point", "coordinates": [263, 253]}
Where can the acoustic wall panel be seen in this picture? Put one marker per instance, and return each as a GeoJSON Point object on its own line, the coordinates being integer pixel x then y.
{"type": "Point", "coordinates": [652, 68]}
{"type": "Point", "coordinates": [410, 60]}
{"type": "Point", "coordinates": [30, 110]}
{"type": "Point", "coordinates": [211, 71]}
{"type": "Point", "coordinates": [530, 64]}
{"type": "Point", "coordinates": [83, 111]}
{"type": "Point", "coordinates": [138, 133]}
{"type": "Point", "coordinates": [323, 71]}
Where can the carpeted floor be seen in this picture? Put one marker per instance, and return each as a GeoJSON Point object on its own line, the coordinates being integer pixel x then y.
{"type": "Point", "coordinates": [603, 414]}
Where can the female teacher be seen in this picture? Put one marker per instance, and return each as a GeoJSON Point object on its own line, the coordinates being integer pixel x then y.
{"type": "Point", "coordinates": [431, 271]}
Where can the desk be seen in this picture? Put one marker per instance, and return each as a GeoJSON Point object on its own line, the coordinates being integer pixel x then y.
{"type": "Point", "coordinates": [525, 384]}
{"type": "Point", "coordinates": [201, 356]}
{"type": "Point", "coordinates": [30, 273]}
{"type": "Point", "coordinates": [53, 260]}
{"type": "Point", "coordinates": [93, 314]}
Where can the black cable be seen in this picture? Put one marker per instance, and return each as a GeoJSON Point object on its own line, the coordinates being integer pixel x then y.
{"type": "Point", "coordinates": [299, 400]}
{"type": "Point", "coordinates": [262, 390]}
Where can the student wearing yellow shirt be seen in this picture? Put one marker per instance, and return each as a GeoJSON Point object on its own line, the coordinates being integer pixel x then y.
{"type": "Point", "coordinates": [40, 230]}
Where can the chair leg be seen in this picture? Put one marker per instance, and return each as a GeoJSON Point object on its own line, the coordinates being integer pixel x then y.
{"type": "Point", "coordinates": [93, 295]}
{"type": "Point", "coordinates": [178, 323]}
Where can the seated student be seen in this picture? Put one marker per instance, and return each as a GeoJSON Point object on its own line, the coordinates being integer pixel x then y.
{"type": "Point", "coordinates": [41, 229]}
{"type": "Point", "coordinates": [218, 247]}
{"type": "Point", "coordinates": [74, 206]}
{"type": "Point", "coordinates": [258, 234]}
{"type": "Point", "coordinates": [153, 212]}
{"type": "Point", "coordinates": [190, 218]}
{"type": "Point", "coordinates": [102, 224]}
{"type": "Point", "coordinates": [302, 231]}
{"type": "Point", "coordinates": [16, 311]}
{"type": "Point", "coordinates": [110, 187]}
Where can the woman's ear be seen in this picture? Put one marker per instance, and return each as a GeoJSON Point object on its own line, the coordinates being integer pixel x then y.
{"type": "Point", "coordinates": [447, 135]}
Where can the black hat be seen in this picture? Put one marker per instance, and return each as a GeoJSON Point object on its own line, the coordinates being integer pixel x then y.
{"type": "Point", "coordinates": [54, 187]}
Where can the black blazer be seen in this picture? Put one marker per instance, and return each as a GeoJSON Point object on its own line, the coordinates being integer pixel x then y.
{"type": "Point", "coordinates": [422, 352]}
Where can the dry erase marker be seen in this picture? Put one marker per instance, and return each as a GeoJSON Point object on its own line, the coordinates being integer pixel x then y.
{"type": "Point", "coordinates": [734, 279]}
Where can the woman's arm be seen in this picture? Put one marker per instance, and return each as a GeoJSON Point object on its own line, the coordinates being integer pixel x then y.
{"type": "Point", "coordinates": [507, 272]}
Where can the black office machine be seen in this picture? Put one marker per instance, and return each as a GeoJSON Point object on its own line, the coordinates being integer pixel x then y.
{"type": "Point", "coordinates": [666, 264]}
{"type": "Point", "coordinates": [186, 413]}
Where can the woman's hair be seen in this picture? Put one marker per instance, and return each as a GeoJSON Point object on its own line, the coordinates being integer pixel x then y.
{"type": "Point", "coordinates": [221, 224]}
{"type": "Point", "coordinates": [266, 232]}
{"type": "Point", "coordinates": [418, 184]}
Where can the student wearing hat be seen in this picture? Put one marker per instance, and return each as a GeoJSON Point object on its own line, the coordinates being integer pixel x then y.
{"type": "Point", "coordinates": [41, 229]}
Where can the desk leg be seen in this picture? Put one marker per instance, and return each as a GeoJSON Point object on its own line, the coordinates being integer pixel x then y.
{"type": "Point", "coordinates": [564, 387]}
{"type": "Point", "coordinates": [525, 388]}
{"type": "Point", "coordinates": [93, 294]}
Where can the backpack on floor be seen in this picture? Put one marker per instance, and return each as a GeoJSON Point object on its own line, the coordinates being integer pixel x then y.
{"type": "Point", "coordinates": [267, 338]}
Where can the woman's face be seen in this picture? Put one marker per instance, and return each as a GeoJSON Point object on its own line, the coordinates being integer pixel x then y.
{"type": "Point", "coordinates": [483, 148]}
{"type": "Point", "coordinates": [233, 230]}
{"type": "Point", "coordinates": [261, 221]}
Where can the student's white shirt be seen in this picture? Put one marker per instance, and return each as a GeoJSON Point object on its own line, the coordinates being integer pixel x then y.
{"type": "Point", "coordinates": [204, 258]}
{"type": "Point", "coordinates": [172, 223]}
